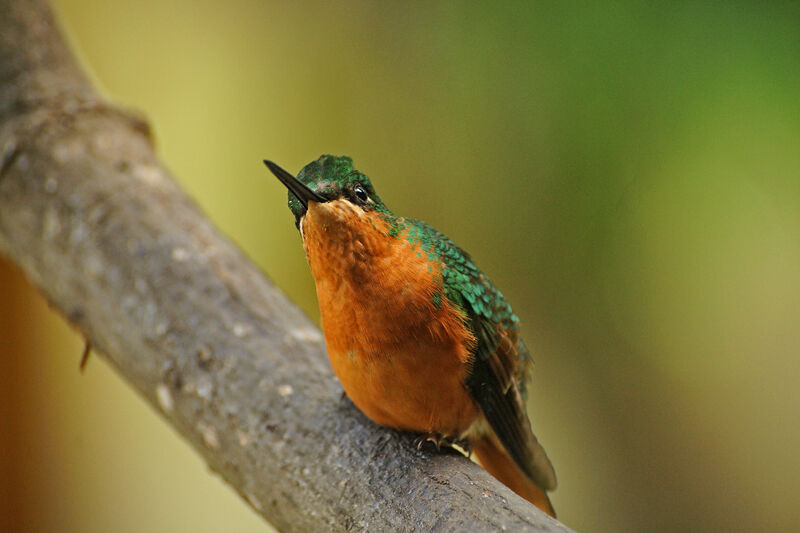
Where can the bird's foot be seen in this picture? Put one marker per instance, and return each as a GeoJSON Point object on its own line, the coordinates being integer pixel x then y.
{"type": "Point", "coordinates": [436, 438]}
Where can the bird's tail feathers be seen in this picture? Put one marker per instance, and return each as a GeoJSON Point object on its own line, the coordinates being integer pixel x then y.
{"type": "Point", "coordinates": [498, 463]}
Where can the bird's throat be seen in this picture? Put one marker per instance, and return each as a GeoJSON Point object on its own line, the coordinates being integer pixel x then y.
{"type": "Point", "coordinates": [376, 289]}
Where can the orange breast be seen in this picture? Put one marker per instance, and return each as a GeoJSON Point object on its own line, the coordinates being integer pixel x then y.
{"type": "Point", "coordinates": [401, 358]}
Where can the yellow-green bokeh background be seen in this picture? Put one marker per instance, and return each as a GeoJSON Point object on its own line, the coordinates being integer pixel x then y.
{"type": "Point", "coordinates": [628, 174]}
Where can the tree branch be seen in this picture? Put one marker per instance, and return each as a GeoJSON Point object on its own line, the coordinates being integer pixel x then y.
{"type": "Point", "coordinates": [98, 224]}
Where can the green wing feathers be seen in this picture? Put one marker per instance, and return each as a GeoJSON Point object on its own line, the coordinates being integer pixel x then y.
{"type": "Point", "coordinates": [501, 364]}
{"type": "Point", "coordinates": [496, 385]}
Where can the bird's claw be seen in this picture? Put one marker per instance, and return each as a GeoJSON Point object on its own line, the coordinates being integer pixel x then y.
{"type": "Point", "coordinates": [436, 438]}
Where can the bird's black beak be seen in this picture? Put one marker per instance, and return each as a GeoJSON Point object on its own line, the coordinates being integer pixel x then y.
{"type": "Point", "coordinates": [301, 192]}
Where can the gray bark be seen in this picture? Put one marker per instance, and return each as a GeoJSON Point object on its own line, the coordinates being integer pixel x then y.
{"type": "Point", "coordinates": [98, 224]}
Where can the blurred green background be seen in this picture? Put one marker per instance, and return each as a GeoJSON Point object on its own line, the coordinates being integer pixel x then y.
{"type": "Point", "coordinates": [627, 173]}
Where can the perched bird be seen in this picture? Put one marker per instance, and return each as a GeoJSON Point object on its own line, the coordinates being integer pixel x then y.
{"type": "Point", "coordinates": [420, 338]}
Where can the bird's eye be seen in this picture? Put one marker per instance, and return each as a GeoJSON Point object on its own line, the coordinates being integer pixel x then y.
{"type": "Point", "coordinates": [360, 193]}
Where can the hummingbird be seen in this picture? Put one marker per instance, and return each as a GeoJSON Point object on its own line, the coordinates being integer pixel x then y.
{"type": "Point", "coordinates": [421, 340]}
